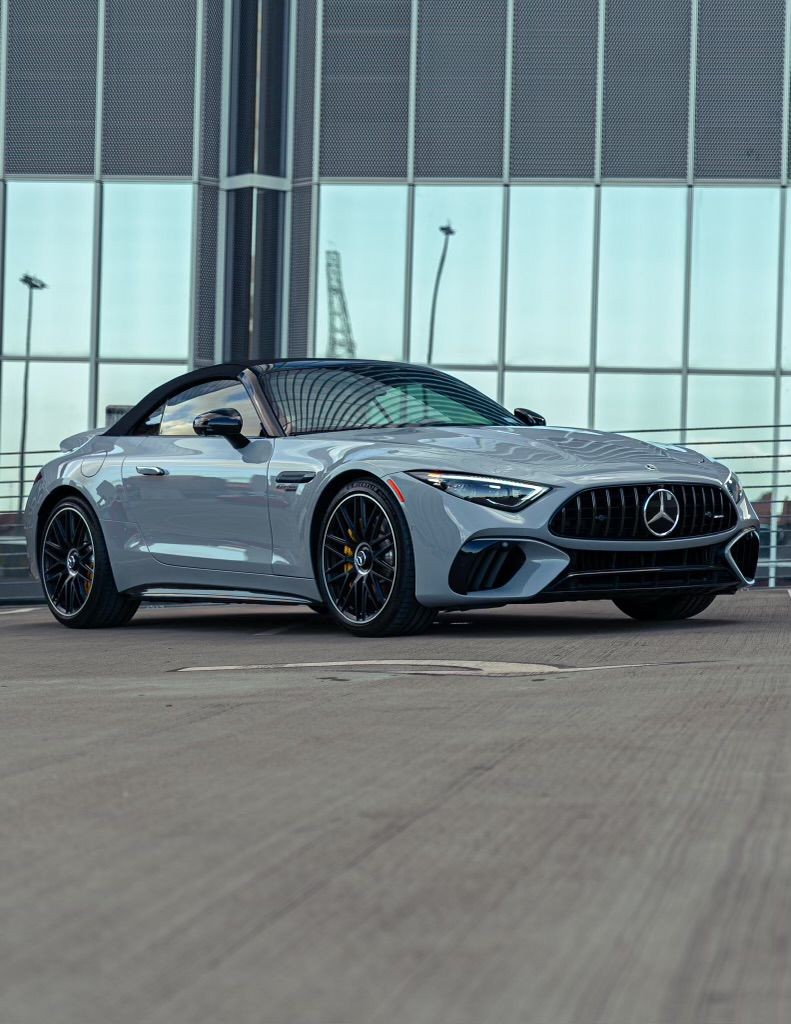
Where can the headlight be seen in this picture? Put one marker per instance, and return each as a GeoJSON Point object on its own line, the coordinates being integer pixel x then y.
{"type": "Point", "coordinates": [507, 495]}
{"type": "Point", "coordinates": [734, 488]}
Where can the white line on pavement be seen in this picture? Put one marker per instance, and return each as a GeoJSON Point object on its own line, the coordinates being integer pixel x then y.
{"type": "Point", "coordinates": [433, 666]}
{"type": "Point", "coordinates": [19, 611]}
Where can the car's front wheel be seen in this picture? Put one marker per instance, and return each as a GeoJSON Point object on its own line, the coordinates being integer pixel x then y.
{"type": "Point", "coordinates": [366, 566]}
{"type": "Point", "coordinates": [75, 570]}
{"type": "Point", "coordinates": [664, 608]}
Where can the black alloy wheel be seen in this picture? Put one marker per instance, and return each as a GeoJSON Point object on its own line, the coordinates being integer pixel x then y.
{"type": "Point", "coordinates": [366, 565]}
{"type": "Point", "coordinates": [68, 561]}
{"type": "Point", "coordinates": [75, 570]}
{"type": "Point", "coordinates": [359, 558]}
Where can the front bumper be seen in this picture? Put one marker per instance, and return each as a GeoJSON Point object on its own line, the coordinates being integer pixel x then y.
{"type": "Point", "coordinates": [467, 555]}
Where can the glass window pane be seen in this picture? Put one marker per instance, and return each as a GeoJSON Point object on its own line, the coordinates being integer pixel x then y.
{"type": "Point", "coordinates": [561, 398]}
{"type": "Point", "coordinates": [49, 235]}
{"type": "Point", "coordinates": [362, 251]}
{"type": "Point", "coordinates": [10, 424]}
{"type": "Point", "coordinates": [146, 270]}
{"type": "Point", "coordinates": [467, 283]}
{"type": "Point", "coordinates": [57, 408]}
{"type": "Point", "coordinates": [641, 276]}
{"type": "Point", "coordinates": [57, 404]}
{"type": "Point", "coordinates": [550, 267]}
{"type": "Point", "coordinates": [783, 494]}
{"type": "Point", "coordinates": [125, 384]}
{"type": "Point", "coordinates": [787, 297]}
{"type": "Point", "coordinates": [734, 277]}
{"type": "Point", "coordinates": [743, 402]}
{"type": "Point", "coordinates": [631, 402]}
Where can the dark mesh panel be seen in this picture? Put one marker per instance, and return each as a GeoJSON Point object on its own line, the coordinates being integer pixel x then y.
{"type": "Point", "coordinates": [243, 88]}
{"type": "Point", "coordinates": [51, 86]}
{"type": "Point", "coordinates": [739, 89]}
{"type": "Point", "coordinates": [553, 108]}
{"type": "Point", "coordinates": [273, 102]}
{"type": "Point", "coordinates": [239, 259]}
{"type": "Point", "coordinates": [303, 92]}
{"type": "Point", "coordinates": [205, 275]}
{"type": "Point", "coordinates": [212, 86]}
{"type": "Point", "coordinates": [460, 81]}
{"type": "Point", "coordinates": [299, 280]}
{"type": "Point", "coordinates": [149, 73]}
{"type": "Point", "coordinates": [365, 88]}
{"type": "Point", "coordinates": [268, 274]}
{"type": "Point", "coordinates": [646, 89]}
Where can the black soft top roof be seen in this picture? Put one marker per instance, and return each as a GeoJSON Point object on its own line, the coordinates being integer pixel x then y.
{"type": "Point", "coordinates": [130, 420]}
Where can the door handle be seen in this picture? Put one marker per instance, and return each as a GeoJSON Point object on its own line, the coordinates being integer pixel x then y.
{"type": "Point", "coordinates": [151, 471]}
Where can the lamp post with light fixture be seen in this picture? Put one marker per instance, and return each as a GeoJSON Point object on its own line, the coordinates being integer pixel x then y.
{"type": "Point", "coordinates": [33, 284]}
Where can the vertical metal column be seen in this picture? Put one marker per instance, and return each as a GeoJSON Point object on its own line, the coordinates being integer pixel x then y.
{"type": "Point", "coordinates": [776, 508]}
{"type": "Point", "coordinates": [690, 223]}
{"type": "Point", "coordinates": [774, 514]}
{"type": "Point", "coordinates": [314, 185]}
{"type": "Point", "coordinates": [507, 102]}
{"type": "Point", "coordinates": [597, 180]}
{"type": "Point", "coordinates": [410, 178]}
{"type": "Point", "coordinates": [285, 300]}
{"type": "Point", "coordinates": [197, 135]}
{"type": "Point", "coordinates": [98, 201]}
{"type": "Point", "coordinates": [221, 317]}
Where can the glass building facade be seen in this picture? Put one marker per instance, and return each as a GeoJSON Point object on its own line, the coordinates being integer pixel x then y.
{"type": "Point", "coordinates": [578, 207]}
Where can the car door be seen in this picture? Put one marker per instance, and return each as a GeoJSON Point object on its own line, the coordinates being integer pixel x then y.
{"type": "Point", "coordinates": [201, 501]}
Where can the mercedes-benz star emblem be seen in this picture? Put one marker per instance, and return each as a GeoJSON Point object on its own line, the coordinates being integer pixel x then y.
{"type": "Point", "coordinates": [661, 512]}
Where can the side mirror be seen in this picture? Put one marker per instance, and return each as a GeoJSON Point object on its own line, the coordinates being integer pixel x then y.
{"type": "Point", "coordinates": [530, 418]}
{"type": "Point", "coordinates": [221, 423]}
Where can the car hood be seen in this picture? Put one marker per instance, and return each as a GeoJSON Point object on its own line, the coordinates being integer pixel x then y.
{"type": "Point", "coordinates": [546, 454]}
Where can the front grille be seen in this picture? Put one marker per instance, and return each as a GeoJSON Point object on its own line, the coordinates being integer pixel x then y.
{"type": "Point", "coordinates": [594, 574]}
{"type": "Point", "coordinates": [617, 512]}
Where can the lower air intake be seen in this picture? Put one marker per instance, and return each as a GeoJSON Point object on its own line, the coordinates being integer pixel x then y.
{"type": "Point", "coordinates": [485, 565]}
{"type": "Point", "coordinates": [744, 553]}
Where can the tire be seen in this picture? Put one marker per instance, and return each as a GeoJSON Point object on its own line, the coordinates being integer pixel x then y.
{"type": "Point", "coordinates": [365, 564]}
{"type": "Point", "coordinates": [665, 608]}
{"type": "Point", "coordinates": [76, 576]}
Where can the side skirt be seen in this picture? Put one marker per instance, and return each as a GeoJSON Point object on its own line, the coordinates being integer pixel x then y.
{"type": "Point", "coordinates": [216, 594]}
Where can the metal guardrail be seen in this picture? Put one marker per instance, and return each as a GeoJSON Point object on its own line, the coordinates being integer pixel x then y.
{"type": "Point", "coordinates": [761, 455]}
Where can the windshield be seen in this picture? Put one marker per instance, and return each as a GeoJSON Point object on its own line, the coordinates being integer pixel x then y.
{"type": "Point", "coordinates": [313, 399]}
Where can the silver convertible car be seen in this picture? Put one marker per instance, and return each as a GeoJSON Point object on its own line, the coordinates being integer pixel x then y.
{"type": "Point", "coordinates": [381, 494]}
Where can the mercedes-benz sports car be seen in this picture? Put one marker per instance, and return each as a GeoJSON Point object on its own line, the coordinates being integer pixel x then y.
{"type": "Point", "coordinates": [380, 493]}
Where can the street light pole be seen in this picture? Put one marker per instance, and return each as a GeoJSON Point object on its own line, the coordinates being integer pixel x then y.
{"type": "Point", "coordinates": [33, 284]}
{"type": "Point", "coordinates": [447, 231]}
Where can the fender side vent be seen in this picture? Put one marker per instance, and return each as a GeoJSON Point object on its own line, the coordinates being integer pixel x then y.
{"type": "Point", "coordinates": [485, 564]}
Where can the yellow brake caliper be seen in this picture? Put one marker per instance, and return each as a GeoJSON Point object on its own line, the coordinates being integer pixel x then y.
{"type": "Point", "coordinates": [348, 566]}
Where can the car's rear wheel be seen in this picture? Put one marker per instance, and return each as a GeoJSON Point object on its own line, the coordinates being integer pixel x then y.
{"type": "Point", "coordinates": [366, 565]}
{"type": "Point", "coordinates": [664, 608]}
{"type": "Point", "coordinates": [75, 570]}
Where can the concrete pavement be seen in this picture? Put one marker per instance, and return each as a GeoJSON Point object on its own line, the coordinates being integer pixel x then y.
{"type": "Point", "coordinates": [384, 842]}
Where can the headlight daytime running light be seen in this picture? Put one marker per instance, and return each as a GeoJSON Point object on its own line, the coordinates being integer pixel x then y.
{"type": "Point", "coordinates": [491, 491]}
{"type": "Point", "coordinates": [734, 488]}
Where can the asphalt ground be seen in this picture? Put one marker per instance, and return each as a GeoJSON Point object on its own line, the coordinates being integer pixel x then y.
{"type": "Point", "coordinates": [545, 814]}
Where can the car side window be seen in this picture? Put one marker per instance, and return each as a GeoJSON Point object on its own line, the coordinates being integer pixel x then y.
{"type": "Point", "coordinates": [181, 410]}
